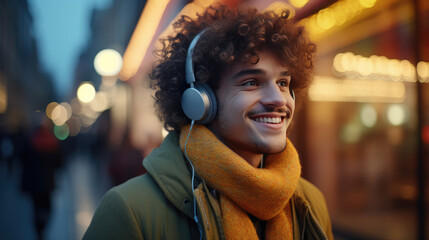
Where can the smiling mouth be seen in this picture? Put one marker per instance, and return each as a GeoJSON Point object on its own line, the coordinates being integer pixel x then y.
{"type": "Point", "coordinates": [271, 118]}
{"type": "Point", "coordinates": [268, 119]}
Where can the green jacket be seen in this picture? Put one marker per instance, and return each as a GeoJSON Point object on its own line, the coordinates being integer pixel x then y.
{"type": "Point", "coordinates": [159, 205]}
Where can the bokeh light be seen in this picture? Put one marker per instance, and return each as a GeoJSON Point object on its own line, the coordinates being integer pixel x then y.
{"type": "Point", "coordinates": [396, 114]}
{"type": "Point", "coordinates": [59, 115]}
{"type": "Point", "coordinates": [298, 3]}
{"type": "Point", "coordinates": [86, 92]}
{"type": "Point", "coordinates": [61, 132]}
{"type": "Point", "coordinates": [326, 18]}
{"type": "Point", "coordinates": [368, 115]}
{"type": "Point", "coordinates": [367, 3]}
{"type": "Point", "coordinates": [423, 71]}
{"type": "Point", "coordinates": [364, 67]}
{"type": "Point", "coordinates": [108, 62]}
{"type": "Point", "coordinates": [375, 67]}
{"type": "Point", "coordinates": [76, 106]}
{"type": "Point", "coordinates": [74, 125]}
{"type": "Point", "coordinates": [50, 108]}
{"type": "Point", "coordinates": [68, 108]}
{"type": "Point", "coordinates": [100, 103]}
{"type": "Point", "coordinates": [326, 88]}
{"type": "Point", "coordinates": [88, 116]}
{"type": "Point", "coordinates": [351, 133]}
{"type": "Point", "coordinates": [337, 14]}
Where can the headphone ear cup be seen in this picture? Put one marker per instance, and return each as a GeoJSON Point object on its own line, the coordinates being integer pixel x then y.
{"type": "Point", "coordinates": [211, 109]}
{"type": "Point", "coordinates": [199, 103]}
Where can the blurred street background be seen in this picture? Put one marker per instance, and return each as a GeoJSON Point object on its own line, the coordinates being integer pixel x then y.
{"type": "Point", "coordinates": [77, 114]}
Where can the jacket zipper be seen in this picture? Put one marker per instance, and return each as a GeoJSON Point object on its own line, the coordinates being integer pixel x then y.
{"type": "Point", "coordinates": [204, 212]}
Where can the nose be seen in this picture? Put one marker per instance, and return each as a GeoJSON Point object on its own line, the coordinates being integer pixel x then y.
{"type": "Point", "coordinates": [273, 96]}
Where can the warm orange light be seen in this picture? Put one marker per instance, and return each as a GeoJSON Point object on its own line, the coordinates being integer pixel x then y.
{"type": "Point", "coordinates": [326, 18]}
{"type": "Point", "coordinates": [425, 134]}
{"type": "Point", "coordinates": [367, 3]}
{"type": "Point", "coordinates": [146, 29]}
{"type": "Point", "coordinates": [142, 37]}
{"type": "Point", "coordinates": [375, 67]}
{"type": "Point", "coordinates": [336, 14]}
{"type": "Point", "coordinates": [330, 89]}
{"type": "Point", "coordinates": [423, 71]}
{"type": "Point", "coordinates": [3, 98]}
{"type": "Point", "coordinates": [298, 3]}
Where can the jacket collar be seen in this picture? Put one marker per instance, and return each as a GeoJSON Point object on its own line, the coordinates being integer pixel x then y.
{"type": "Point", "coordinates": [167, 167]}
{"type": "Point", "coordinates": [305, 221]}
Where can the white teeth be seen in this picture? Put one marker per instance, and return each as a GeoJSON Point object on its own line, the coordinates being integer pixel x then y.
{"type": "Point", "coordinates": [269, 120]}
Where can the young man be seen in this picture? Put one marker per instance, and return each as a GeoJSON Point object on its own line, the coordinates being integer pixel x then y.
{"type": "Point", "coordinates": [225, 89]}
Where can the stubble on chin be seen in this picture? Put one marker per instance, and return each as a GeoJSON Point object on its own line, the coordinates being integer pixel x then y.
{"type": "Point", "coordinates": [264, 148]}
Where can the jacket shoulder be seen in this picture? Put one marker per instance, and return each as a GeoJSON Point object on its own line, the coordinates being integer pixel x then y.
{"type": "Point", "coordinates": [115, 217]}
{"type": "Point", "coordinates": [138, 189]}
{"type": "Point", "coordinates": [134, 210]}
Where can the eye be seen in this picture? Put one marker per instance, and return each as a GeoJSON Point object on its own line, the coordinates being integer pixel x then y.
{"type": "Point", "coordinates": [250, 83]}
{"type": "Point", "coordinates": [283, 83]}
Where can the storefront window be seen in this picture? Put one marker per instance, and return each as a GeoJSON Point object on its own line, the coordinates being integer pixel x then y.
{"type": "Point", "coordinates": [361, 121]}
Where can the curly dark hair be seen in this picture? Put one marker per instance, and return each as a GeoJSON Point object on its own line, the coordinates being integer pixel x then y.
{"type": "Point", "coordinates": [233, 35]}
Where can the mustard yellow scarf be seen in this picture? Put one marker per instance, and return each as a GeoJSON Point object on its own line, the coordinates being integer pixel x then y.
{"type": "Point", "coordinates": [244, 189]}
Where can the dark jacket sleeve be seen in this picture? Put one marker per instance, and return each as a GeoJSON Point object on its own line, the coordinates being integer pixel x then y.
{"type": "Point", "coordinates": [113, 219]}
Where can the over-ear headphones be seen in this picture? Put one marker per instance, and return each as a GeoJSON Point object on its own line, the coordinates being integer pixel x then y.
{"type": "Point", "coordinates": [198, 101]}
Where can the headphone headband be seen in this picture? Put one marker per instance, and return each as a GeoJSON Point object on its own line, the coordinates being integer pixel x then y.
{"type": "Point", "coordinates": [199, 101]}
{"type": "Point", "coordinates": [190, 77]}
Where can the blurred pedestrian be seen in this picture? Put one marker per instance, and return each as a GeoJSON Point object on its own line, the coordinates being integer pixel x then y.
{"type": "Point", "coordinates": [126, 161]}
{"type": "Point", "coordinates": [225, 89]}
{"type": "Point", "coordinates": [41, 158]}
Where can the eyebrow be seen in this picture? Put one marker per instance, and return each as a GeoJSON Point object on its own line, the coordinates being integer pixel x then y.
{"type": "Point", "coordinates": [254, 72]}
{"type": "Point", "coordinates": [247, 72]}
{"type": "Point", "coordinates": [285, 73]}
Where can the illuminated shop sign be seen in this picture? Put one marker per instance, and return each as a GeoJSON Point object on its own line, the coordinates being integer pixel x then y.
{"type": "Point", "coordinates": [361, 79]}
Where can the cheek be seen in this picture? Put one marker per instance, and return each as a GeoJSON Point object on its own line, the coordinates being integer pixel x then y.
{"type": "Point", "coordinates": [291, 106]}
{"type": "Point", "coordinates": [232, 112]}
{"type": "Point", "coordinates": [234, 103]}
{"type": "Point", "coordinates": [290, 102]}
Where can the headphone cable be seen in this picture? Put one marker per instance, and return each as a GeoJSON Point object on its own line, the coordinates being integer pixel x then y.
{"type": "Point", "coordinates": [192, 183]}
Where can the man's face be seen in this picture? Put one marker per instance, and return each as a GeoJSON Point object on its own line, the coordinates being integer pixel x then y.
{"type": "Point", "coordinates": [255, 107]}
